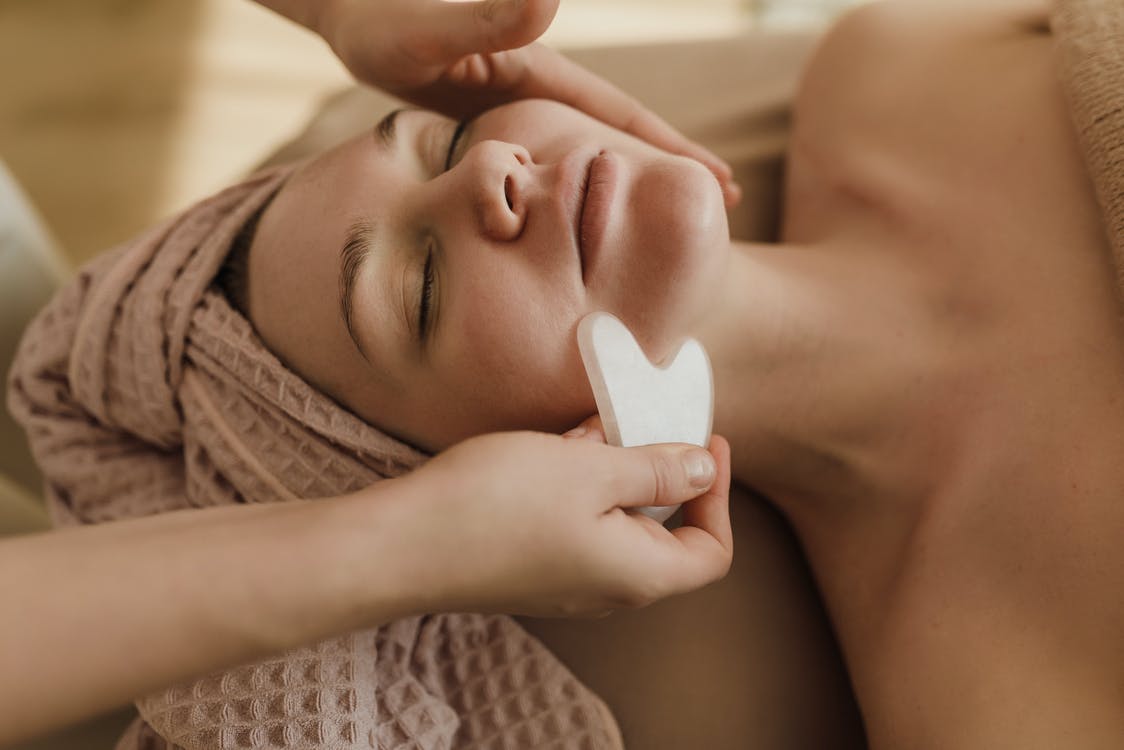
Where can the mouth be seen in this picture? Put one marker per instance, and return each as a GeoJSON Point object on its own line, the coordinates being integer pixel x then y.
{"type": "Point", "coordinates": [592, 216]}
{"type": "Point", "coordinates": [575, 197]}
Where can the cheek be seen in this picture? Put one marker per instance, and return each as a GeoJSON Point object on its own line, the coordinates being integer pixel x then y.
{"type": "Point", "coordinates": [515, 360]}
{"type": "Point", "coordinates": [670, 252]}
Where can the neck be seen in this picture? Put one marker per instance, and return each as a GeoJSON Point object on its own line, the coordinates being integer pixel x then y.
{"type": "Point", "coordinates": [804, 374]}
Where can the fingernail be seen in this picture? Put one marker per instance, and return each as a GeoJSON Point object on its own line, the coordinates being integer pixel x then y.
{"type": "Point", "coordinates": [700, 469]}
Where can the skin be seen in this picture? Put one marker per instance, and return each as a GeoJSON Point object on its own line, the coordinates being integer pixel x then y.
{"type": "Point", "coordinates": [226, 580]}
{"type": "Point", "coordinates": [946, 367]}
{"type": "Point", "coordinates": [770, 643]}
{"type": "Point", "coordinates": [925, 376]}
{"type": "Point", "coordinates": [509, 286]}
{"type": "Point", "coordinates": [463, 58]}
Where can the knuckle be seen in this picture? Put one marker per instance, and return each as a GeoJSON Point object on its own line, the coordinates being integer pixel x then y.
{"type": "Point", "coordinates": [665, 472]}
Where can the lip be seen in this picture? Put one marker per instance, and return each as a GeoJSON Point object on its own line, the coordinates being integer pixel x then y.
{"type": "Point", "coordinates": [593, 213]}
{"type": "Point", "coordinates": [572, 191]}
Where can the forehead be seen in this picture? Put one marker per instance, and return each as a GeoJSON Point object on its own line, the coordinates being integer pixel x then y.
{"type": "Point", "coordinates": [337, 180]}
{"type": "Point", "coordinates": [295, 259]}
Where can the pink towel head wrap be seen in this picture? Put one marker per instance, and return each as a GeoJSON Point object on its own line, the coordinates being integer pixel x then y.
{"type": "Point", "coordinates": [161, 354]}
{"type": "Point", "coordinates": [143, 391]}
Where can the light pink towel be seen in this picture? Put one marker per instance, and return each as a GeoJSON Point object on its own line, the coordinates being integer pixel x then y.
{"type": "Point", "coordinates": [143, 391]}
{"type": "Point", "coordinates": [1090, 36]}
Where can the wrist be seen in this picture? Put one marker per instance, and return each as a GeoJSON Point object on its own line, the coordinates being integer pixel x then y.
{"type": "Point", "coordinates": [360, 561]}
{"type": "Point", "coordinates": [321, 568]}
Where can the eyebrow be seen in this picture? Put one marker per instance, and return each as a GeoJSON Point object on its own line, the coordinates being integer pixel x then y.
{"type": "Point", "coordinates": [356, 248]}
{"type": "Point", "coordinates": [357, 242]}
{"type": "Point", "coordinates": [386, 130]}
{"type": "Point", "coordinates": [360, 236]}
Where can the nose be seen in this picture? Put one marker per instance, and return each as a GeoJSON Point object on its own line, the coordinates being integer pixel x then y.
{"type": "Point", "coordinates": [498, 175]}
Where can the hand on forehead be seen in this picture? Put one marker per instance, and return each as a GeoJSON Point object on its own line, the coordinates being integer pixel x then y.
{"type": "Point", "coordinates": [461, 58]}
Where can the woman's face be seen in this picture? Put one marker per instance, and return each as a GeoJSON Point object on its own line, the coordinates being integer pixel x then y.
{"type": "Point", "coordinates": [439, 303]}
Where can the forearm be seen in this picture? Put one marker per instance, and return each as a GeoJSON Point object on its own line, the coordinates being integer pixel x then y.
{"type": "Point", "coordinates": [97, 616]}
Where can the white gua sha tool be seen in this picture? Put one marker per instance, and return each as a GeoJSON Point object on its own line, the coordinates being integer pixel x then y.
{"type": "Point", "coordinates": [640, 403]}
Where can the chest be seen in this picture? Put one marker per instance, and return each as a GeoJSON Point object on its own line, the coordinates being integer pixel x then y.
{"type": "Point", "coordinates": [938, 142]}
{"type": "Point", "coordinates": [942, 139]}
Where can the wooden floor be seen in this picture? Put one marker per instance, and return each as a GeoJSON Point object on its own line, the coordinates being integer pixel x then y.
{"type": "Point", "coordinates": [115, 113]}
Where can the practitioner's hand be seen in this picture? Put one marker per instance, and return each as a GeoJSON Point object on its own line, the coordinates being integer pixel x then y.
{"type": "Point", "coordinates": [533, 524]}
{"type": "Point", "coordinates": [461, 58]}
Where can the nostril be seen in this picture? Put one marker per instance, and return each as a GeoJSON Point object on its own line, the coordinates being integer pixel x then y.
{"type": "Point", "coordinates": [507, 191]}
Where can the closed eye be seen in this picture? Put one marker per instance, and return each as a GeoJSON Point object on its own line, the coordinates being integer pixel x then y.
{"type": "Point", "coordinates": [425, 297]}
{"type": "Point", "coordinates": [453, 143]}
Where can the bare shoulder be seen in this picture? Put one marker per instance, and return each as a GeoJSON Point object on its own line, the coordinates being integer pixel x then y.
{"type": "Point", "coordinates": [893, 81]}
{"type": "Point", "coordinates": [919, 18]}
{"type": "Point", "coordinates": [880, 56]}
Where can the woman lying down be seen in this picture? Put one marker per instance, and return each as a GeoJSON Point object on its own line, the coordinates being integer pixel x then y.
{"type": "Point", "coordinates": [923, 376]}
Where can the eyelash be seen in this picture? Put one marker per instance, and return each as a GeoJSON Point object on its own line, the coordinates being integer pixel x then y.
{"type": "Point", "coordinates": [457, 133]}
{"type": "Point", "coordinates": [426, 296]}
{"type": "Point", "coordinates": [427, 272]}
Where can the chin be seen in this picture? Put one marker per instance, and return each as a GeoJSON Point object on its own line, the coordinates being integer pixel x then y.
{"type": "Point", "coordinates": [679, 251]}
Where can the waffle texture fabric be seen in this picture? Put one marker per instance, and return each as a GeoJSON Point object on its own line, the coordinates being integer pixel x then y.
{"type": "Point", "coordinates": [143, 391]}
{"type": "Point", "coordinates": [1090, 38]}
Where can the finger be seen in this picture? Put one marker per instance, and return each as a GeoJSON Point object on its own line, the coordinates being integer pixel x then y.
{"type": "Point", "coordinates": [710, 512]}
{"type": "Point", "coordinates": [705, 537]}
{"type": "Point", "coordinates": [732, 193]}
{"type": "Point", "coordinates": [550, 75]}
{"type": "Point", "coordinates": [457, 28]}
{"type": "Point", "coordinates": [700, 551]}
{"type": "Point", "coordinates": [667, 474]}
{"type": "Point", "coordinates": [590, 429]}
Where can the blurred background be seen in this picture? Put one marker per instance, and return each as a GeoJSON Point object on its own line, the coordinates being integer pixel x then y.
{"type": "Point", "coordinates": [117, 113]}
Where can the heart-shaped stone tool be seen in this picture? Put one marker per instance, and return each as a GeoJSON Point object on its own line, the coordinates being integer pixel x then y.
{"type": "Point", "coordinates": [641, 403]}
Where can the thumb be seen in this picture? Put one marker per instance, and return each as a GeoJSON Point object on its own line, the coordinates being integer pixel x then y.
{"type": "Point", "coordinates": [667, 474]}
{"type": "Point", "coordinates": [466, 27]}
